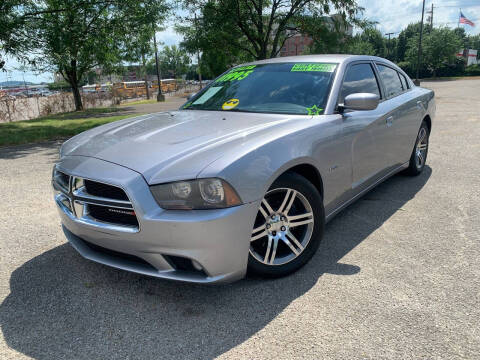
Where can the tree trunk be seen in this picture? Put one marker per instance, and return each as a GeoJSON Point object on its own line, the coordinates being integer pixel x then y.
{"type": "Point", "coordinates": [77, 97]}
{"type": "Point", "coordinates": [72, 78]}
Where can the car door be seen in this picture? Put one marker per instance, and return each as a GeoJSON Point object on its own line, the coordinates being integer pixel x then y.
{"type": "Point", "coordinates": [367, 128]}
{"type": "Point", "coordinates": [402, 111]}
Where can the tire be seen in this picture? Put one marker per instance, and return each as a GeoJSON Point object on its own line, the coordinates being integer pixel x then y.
{"type": "Point", "coordinates": [296, 226]}
{"type": "Point", "coordinates": [420, 152]}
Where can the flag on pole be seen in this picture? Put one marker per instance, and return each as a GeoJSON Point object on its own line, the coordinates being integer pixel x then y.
{"type": "Point", "coordinates": [464, 20]}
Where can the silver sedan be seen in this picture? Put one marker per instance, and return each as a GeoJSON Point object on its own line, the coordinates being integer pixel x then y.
{"type": "Point", "coordinates": [244, 176]}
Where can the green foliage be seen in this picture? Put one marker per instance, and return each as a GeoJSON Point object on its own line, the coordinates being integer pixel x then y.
{"type": "Point", "coordinates": [439, 47]}
{"type": "Point", "coordinates": [174, 60]}
{"type": "Point", "coordinates": [63, 85]}
{"type": "Point", "coordinates": [256, 28]}
{"type": "Point", "coordinates": [15, 24]}
{"type": "Point", "coordinates": [412, 30]}
{"type": "Point", "coordinates": [375, 39]}
{"type": "Point", "coordinates": [73, 37]}
{"type": "Point", "coordinates": [408, 67]}
{"type": "Point", "coordinates": [360, 47]}
{"type": "Point", "coordinates": [56, 126]}
{"type": "Point", "coordinates": [473, 70]}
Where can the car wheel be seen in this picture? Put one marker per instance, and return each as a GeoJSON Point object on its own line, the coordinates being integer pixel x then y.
{"type": "Point", "coordinates": [288, 227]}
{"type": "Point", "coordinates": [420, 151]}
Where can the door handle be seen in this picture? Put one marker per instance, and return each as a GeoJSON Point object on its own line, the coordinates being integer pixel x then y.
{"type": "Point", "coordinates": [389, 121]}
{"type": "Point", "coordinates": [420, 104]}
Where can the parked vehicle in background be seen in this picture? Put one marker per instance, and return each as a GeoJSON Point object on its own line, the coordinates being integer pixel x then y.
{"type": "Point", "coordinates": [246, 174]}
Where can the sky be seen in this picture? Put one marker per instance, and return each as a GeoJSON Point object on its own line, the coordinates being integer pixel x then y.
{"type": "Point", "coordinates": [391, 16]}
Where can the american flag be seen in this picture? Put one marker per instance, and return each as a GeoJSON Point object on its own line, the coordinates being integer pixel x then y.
{"type": "Point", "coordinates": [464, 20]}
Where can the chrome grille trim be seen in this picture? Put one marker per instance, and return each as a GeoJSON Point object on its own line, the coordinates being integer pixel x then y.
{"type": "Point", "coordinates": [82, 196]}
{"type": "Point", "coordinates": [74, 202]}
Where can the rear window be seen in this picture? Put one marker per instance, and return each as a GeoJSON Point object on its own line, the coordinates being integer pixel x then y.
{"type": "Point", "coordinates": [404, 81]}
{"type": "Point", "coordinates": [391, 80]}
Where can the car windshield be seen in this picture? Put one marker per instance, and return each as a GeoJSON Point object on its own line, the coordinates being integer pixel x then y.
{"type": "Point", "coordinates": [286, 88]}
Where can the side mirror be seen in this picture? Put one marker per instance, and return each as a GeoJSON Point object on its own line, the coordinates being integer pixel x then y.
{"type": "Point", "coordinates": [190, 97]}
{"type": "Point", "coordinates": [361, 101]}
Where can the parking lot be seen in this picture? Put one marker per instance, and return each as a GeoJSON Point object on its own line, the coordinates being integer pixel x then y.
{"type": "Point", "coordinates": [397, 275]}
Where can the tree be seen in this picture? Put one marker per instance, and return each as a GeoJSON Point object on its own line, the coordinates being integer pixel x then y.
{"type": "Point", "coordinates": [72, 37]}
{"type": "Point", "coordinates": [439, 47]}
{"type": "Point", "coordinates": [259, 27]}
{"type": "Point", "coordinates": [139, 47]}
{"type": "Point", "coordinates": [375, 38]}
{"type": "Point", "coordinates": [412, 30]}
{"type": "Point", "coordinates": [219, 41]}
{"type": "Point", "coordinates": [175, 60]}
{"type": "Point", "coordinates": [360, 47]}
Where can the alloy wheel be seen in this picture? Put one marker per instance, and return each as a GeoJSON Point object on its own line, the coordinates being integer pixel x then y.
{"type": "Point", "coordinates": [421, 148]}
{"type": "Point", "coordinates": [283, 227]}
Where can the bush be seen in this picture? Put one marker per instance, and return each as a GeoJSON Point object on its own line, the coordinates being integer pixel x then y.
{"type": "Point", "coordinates": [455, 69]}
{"type": "Point", "coordinates": [407, 67]}
{"type": "Point", "coordinates": [411, 70]}
{"type": "Point", "coordinates": [473, 70]}
{"type": "Point", "coordinates": [59, 86]}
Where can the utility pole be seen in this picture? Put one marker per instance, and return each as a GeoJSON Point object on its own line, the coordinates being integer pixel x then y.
{"type": "Point", "coordinates": [430, 17]}
{"type": "Point", "coordinates": [160, 96]}
{"type": "Point", "coordinates": [145, 76]}
{"type": "Point", "coordinates": [198, 54]}
{"type": "Point", "coordinates": [419, 55]}
{"type": "Point", "coordinates": [388, 46]}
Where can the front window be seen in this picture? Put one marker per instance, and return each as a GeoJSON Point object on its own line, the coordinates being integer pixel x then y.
{"type": "Point", "coordinates": [283, 88]}
{"type": "Point", "coordinates": [359, 78]}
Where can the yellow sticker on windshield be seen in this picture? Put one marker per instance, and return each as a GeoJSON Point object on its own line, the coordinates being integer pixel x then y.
{"type": "Point", "coordinates": [230, 104]}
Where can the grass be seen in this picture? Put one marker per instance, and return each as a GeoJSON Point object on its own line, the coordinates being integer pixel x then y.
{"type": "Point", "coordinates": [56, 126]}
{"type": "Point", "coordinates": [139, 102]}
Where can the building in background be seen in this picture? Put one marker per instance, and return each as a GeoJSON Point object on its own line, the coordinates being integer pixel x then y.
{"type": "Point", "coordinates": [298, 44]}
{"type": "Point", "coordinates": [470, 56]}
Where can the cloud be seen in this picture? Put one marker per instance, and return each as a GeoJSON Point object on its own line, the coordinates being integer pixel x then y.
{"type": "Point", "coordinates": [393, 16]}
{"type": "Point", "coordinates": [169, 37]}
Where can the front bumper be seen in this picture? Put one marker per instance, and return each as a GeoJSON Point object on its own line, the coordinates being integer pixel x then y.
{"type": "Point", "coordinates": [217, 240]}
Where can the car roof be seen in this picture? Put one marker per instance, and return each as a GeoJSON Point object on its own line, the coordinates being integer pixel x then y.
{"type": "Point", "coordinates": [329, 58]}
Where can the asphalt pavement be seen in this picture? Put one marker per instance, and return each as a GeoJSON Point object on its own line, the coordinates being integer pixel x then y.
{"type": "Point", "coordinates": [396, 277]}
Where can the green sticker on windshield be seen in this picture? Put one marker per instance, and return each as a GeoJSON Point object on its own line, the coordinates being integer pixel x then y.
{"type": "Point", "coordinates": [314, 110]}
{"type": "Point", "coordinates": [238, 73]}
{"type": "Point", "coordinates": [187, 105]}
{"type": "Point", "coordinates": [314, 67]}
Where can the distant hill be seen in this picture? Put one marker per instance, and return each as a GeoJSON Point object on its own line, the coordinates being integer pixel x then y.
{"type": "Point", "coordinates": [12, 83]}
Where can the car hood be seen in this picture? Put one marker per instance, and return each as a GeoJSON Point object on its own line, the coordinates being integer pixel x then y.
{"type": "Point", "coordinates": [172, 145]}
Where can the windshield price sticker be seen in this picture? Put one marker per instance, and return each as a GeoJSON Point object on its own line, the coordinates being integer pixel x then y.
{"type": "Point", "coordinates": [314, 67]}
{"type": "Point", "coordinates": [238, 74]}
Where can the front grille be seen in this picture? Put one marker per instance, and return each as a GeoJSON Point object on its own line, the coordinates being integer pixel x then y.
{"type": "Point", "coordinates": [104, 190]}
{"type": "Point", "coordinates": [62, 179]}
{"type": "Point", "coordinates": [95, 202]}
{"type": "Point", "coordinates": [113, 215]}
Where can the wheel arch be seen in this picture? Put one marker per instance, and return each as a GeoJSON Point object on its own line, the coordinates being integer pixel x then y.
{"type": "Point", "coordinates": [428, 120]}
{"type": "Point", "coordinates": [308, 171]}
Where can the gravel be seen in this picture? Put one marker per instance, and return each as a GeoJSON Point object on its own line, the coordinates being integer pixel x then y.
{"type": "Point", "coordinates": [397, 275]}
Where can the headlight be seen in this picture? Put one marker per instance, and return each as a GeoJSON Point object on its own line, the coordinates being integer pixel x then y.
{"type": "Point", "coordinates": [195, 194]}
